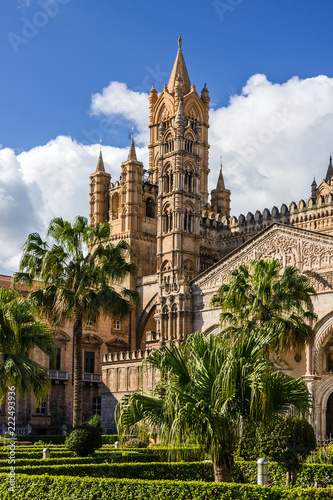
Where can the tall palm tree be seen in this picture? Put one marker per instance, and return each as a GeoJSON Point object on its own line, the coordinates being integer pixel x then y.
{"type": "Point", "coordinates": [207, 387]}
{"type": "Point", "coordinates": [20, 333]}
{"type": "Point", "coordinates": [259, 294]}
{"type": "Point", "coordinates": [75, 269]}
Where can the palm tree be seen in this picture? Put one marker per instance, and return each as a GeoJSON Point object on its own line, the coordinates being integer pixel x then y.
{"type": "Point", "coordinates": [208, 387]}
{"type": "Point", "coordinates": [20, 334]}
{"type": "Point", "coordinates": [258, 294]}
{"type": "Point", "coordinates": [74, 269]}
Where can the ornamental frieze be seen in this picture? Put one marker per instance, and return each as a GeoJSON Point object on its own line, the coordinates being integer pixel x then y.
{"type": "Point", "coordinates": [311, 252]}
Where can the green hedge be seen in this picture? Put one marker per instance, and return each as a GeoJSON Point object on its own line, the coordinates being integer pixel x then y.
{"type": "Point", "coordinates": [245, 472]}
{"type": "Point", "coordinates": [309, 474]}
{"type": "Point", "coordinates": [156, 470]}
{"type": "Point", "coordinates": [60, 439]}
{"type": "Point", "coordinates": [34, 438]}
{"type": "Point", "coordinates": [65, 488]}
{"type": "Point", "coordinates": [109, 438]}
{"type": "Point", "coordinates": [95, 459]}
{"type": "Point", "coordinates": [106, 454]}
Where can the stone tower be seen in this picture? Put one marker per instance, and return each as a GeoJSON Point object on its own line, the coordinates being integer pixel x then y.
{"type": "Point", "coordinates": [99, 194]}
{"type": "Point", "coordinates": [178, 162]}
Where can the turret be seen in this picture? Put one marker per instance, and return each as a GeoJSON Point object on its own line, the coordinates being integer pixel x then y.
{"type": "Point", "coordinates": [314, 189]}
{"type": "Point", "coordinates": [99, 193]}
{"type": "Point", "coordinates": [329, 173]}
{"type": "Point", "coordinates": [220, 197]}
{"type": "Point", "coordinates": [131, 176]}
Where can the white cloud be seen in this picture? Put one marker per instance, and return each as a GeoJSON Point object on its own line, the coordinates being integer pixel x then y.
{"type": "Point", "coordinates": [45, 182]}
{"type": "Point", "coordinates": [118, 102]}
{"type": "Point", "coordinates": [273, 138]}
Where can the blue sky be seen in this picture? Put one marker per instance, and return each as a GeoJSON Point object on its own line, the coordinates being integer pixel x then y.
{"type": "Point", "coordinates": [77, 72]}
{"type": "Point", "coordinates": [46, 86]}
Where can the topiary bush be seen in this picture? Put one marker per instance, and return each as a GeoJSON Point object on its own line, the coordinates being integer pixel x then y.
{"type": "Point", "coordinates": [84, 440]}
{"type": "Point", "coordinates": [284, 439]}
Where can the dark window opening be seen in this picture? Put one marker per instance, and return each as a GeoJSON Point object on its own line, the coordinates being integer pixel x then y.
{"type": "Point", "coordinates": [97, 406]}
{"type": "Point", "coordinates": [89, 362]}
{"type": "Point", "coordinates": [42, 409]}
{"type": "Point", "coordinates": [55, 360]}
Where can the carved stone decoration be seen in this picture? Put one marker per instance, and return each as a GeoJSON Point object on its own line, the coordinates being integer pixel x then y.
{"type": "Point", "coordinates": [311, 252]}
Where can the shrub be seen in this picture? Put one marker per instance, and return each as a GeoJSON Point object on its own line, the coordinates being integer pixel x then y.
{"type": "Point", "coordinates": [58, 439]}
{"type": "Point", "coordinates": [84, 440]}
{"type": "Point", "coordinates": [287, 440]}
{"type": "Point", "coordinates": [134, 443]}
{"type": "Point", "coordinates": [109, 439]}
{"type": "Point", "coordinates": [49, 488]}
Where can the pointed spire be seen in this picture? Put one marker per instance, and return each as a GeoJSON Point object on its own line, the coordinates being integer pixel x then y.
{"type": "Point", "coordinates": [132, 152]}
{"type": "Point", "coordinates": [179, 70]}
{"type": "Point", "coordinates": [220, 182]}
{"type": "Point", "coordinates": [314, 189]}
{"type": "Point", "coordinates": [100, 163]}
{"type": "Point", "coordinates": [329, 173]}
{"type": "Point", "coordinates": [180, 115]}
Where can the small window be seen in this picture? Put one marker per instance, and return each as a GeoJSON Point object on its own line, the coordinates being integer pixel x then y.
{"type": "Point", "coordinates": [42, 409]}
{"type": "Point", "coordinates": [89, 323]}
{"type": "Point", "coordinates": [89, 362]}
{"type": "Point", "coordinates": [55, 361]}
{"type": "Point", "coordinates": [117, 325]}
{"type": "Point", "coordinates": [97, 406]}
{"type": "Point", "coordinates": [330, 362]}
{"type": "Point", "coordinates": [150, 209]}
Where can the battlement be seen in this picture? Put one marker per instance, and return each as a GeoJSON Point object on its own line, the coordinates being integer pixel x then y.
{"type": "Point", "coordinates": [315, 214]}
{"type": "Point", "coordinates": [114, 357]}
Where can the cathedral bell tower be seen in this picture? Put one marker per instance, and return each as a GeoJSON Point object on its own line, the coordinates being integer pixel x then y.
{"type": "Point", "coordinates": [179, 164]}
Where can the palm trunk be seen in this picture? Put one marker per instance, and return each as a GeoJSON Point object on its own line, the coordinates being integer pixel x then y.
{"type": "Point", "coordinates": [222, 473]}
{"type": "Point", "coordinates": [78, 369]}
{"type": "Point", "coordinates": [291, 476]}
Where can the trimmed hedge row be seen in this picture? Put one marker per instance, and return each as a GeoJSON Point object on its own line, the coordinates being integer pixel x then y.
{"type": "Point", "coordinates": [60, 439]}
{"type": "Point", "coordinates": [94, 459]}
{"type": "Point", "coordinates": [65, 488]}
{"type": "Point", "coordinates": [244, 473]}
{"type": "Point", "coordinates": [157, 470]}
{"type": "Point", "coordinates": [55, 453]}
{"type": "Point", "coordinates": [309, 474]}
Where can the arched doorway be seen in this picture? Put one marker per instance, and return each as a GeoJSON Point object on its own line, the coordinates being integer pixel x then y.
{"type": "Point", "coordinates": [329, 417]}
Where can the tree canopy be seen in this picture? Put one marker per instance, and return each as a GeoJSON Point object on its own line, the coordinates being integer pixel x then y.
{"type": "Point", "coordinates": [261, 293]}
{"type": "Point", "coordinates": [20, 333]}
{"type": "Point", "coordinates": [77, 273]}
{"type": "Point", "coordinates": [208, 387]}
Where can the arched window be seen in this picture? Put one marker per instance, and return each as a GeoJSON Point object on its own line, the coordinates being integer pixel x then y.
{"type": "Point", "coordinates": [189, 180]}
{"type": "Point", "coordinates": [169, 145]}
{"type": "Point", "coordinates": [189, 219]}
{"type": "Point", "coordinates": [150, 208]}
{"type": "Point", "coordinates": [167, 219]}
{"type": "Point", "coordinates": [115, 206]}
{"type": "Point", "coordinates": [167, 179]}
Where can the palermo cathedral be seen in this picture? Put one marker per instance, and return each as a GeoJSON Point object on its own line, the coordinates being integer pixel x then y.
{"type": "Point", "coordinates": [184, 243]}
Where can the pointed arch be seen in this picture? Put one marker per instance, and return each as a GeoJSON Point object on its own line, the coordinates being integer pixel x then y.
{"type": "Point", "coordinates": [115, 206]}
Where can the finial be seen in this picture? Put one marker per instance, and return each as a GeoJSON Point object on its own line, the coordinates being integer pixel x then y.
{"type": "Point", "coordinates": [131, 134]}
{"type": "Point", "coordinates": [221, 161]}
{"type": "Point", "coordinates": [180, 39]}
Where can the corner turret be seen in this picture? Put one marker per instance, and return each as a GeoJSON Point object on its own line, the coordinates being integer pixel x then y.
{"type": "Point", "coordinates": [99, 193]}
